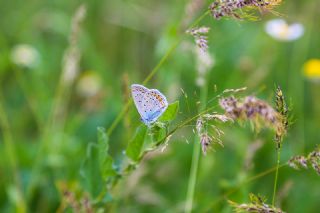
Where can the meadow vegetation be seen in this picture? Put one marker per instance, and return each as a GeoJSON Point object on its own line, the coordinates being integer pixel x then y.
{"type": "Point", "coordinates": [239, 134]}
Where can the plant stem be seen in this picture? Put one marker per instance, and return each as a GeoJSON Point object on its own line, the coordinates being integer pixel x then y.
{"type": "Point", "coordinates": [276, 176]}
{"type": "Point", "coordinates": [10, 151]}
{"type": "Point", "coordinates": [151, 74]}
{"type": "Point", "coordinates": [196, 153]}
{"type": "Point", "coordinates": [58, 113]}
{"type": "Point", "coordinates": [193, 176]}
{"type": "Point", "coordinates": [249, 180]}
{"type": "Point", "coordinates": [195, 156]}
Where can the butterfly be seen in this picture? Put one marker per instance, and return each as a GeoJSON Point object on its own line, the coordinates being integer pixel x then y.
{"type": "Point", "coordinates": [150, 103]}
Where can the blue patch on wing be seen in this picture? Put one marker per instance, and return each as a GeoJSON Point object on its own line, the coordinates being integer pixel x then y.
{"type": "Point", "coordinates": [149, 103]}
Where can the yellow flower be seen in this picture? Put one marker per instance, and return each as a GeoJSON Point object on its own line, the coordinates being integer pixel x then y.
{"type": "Point", "coordinates": [311, 69]}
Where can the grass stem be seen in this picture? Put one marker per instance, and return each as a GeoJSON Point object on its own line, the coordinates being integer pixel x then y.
{"type": "Point", "coordinates": [242, 183]}
{"type": "Point", "coordinates": [10, 151]}
{"type": "Point", "coordinates": [195, 156]}
{"type": "Point", "coordinates": [119, 117]}
{"type": "Point", "coordinates": [276, 176]}
{"type": "Point", "coordinates": [193, 176]}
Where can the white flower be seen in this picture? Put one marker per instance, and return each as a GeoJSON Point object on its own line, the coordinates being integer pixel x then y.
{"type": "Point", "coordinates": [280, 30]}
{"type": "Point", "coordinates": [24, 55]}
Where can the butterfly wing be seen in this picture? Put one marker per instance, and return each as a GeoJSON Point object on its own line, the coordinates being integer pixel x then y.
{"type": "Point", "coordinates": [138, 92]}
{"type": "Point", "coordinates": [156, 103]}
{"type": "Point", "coordinates": [149, 103]}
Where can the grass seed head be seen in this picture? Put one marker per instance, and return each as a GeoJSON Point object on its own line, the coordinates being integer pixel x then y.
{"type": "Point", "coordinates": [257, 205]}
{"type": "Point", "coordinates": [282, 109]}
{"type": "Point", "coordinates": [205, 141]}
{"type": "Point", "coordinates": [312, 159]}
{"type": "Point", "coordinates": [237, 8]}
{"type": "Point", "coordinates": [199, 35]}
{"type": "Point", "coordinates": [252, 109]}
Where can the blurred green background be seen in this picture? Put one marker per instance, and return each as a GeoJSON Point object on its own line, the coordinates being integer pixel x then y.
{"type": "Point", "coordinates": [56, 91]}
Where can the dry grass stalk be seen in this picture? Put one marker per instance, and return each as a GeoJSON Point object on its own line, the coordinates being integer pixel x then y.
{"type": "Point", "coordinates": [199, 35]}
{"type": "Point", "coordinates": [312, 159]}
{"type": "Point", "coordinates": [70, 67]}
{"type": "Point", "coordinates": [210, 135]}
{"type": "Point", "coordinates": [237, 8]}
{"type": "Point", "coordinates": [282, 109]}
{"type": "Point", "coordinates": [250, 108]}
{"type": "Point", "coordinates": [257, 205]}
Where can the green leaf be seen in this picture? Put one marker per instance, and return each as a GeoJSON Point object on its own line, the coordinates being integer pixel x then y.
{"type": "Point", "coordinates": [157, 131]}
{"type": "Point", "coordinates": [97, 167]}
{"type": "Point", "coordinates": [135, 146]}
{"type": "Point", "coordinates": [105, 160]}
{"type": "Point", "coordinates": [171, 112]}
{"type": "Point", "coordinates": [90, 171]}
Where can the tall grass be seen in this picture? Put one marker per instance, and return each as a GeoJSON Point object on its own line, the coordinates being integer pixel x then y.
{"type": "Point", "coordinates": [54, 163]}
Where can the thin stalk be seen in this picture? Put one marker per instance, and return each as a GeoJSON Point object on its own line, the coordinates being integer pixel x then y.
{"type": "Point", "coordinates": [188, 121]}
{"type": "Point", "coordinates": [193, 176]}
{"type": "Point", "coordinates": [58, 113]}
{"type": "Point", "coordinates": [27, 94]}
{"type": "Point", "coordinates": [119, 117]}
{"type": "Point", "coordinates": [181, 125]}
{"type": "Point", "coordinates": [195, 156]}
{"type": "Point", "coordinates": [10, 150]}
{"type": "Point", "coordinates": [276, 176]}
{"type": "Point", "coordinates": [147, 79]}
{"type": "Point", "coordinates": [151, 74]}
{"type": "Point", "coordinates": [249, 180]}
